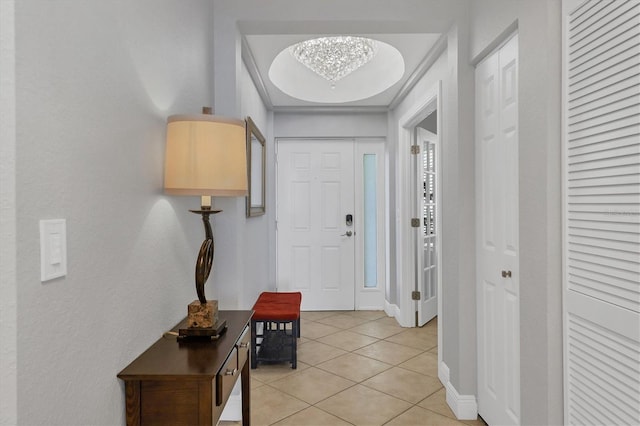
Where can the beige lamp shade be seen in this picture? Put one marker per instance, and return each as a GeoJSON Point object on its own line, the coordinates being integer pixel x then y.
{"type": "Point", "coordinates": [205, 155]}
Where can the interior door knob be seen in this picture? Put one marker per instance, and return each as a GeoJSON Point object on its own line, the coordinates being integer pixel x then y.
{"type": "Point", "coordinates": [506, 274]}
{"type": "Point", "coordinates": [347, 234]}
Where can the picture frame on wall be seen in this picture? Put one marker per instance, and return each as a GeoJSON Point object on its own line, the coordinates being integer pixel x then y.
{"type": "Point", "coordinates": [256, 157]}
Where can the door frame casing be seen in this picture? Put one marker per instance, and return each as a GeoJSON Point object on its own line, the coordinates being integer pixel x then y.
{"type": "Point", "coordinates": [405, 271]}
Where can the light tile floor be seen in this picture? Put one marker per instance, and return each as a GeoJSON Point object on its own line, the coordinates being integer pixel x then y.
{"type": "Point", "coordinates": [355, 368]}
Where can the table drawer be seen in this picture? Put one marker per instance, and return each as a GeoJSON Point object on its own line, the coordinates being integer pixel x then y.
{"type": "Point", "coordinates": [226, 377]}
{"type": "Point", "coordinates": [243, 345]}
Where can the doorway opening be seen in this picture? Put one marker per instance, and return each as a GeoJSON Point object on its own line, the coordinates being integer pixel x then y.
{"type": "Point", "coordinates": [426, 208]}
{"type": "Point", "coordinates": [414, 203]}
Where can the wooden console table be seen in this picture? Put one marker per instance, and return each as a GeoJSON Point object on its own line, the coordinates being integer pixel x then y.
{"type": "Point", "coordinates": [188, 382]}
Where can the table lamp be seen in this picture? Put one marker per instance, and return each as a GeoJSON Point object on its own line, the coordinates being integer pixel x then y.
{"type": "Point", "coordinates": [205, 156]}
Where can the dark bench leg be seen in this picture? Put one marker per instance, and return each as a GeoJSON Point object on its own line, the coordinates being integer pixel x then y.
{"type": "Point", "coordinates": [295, 333]}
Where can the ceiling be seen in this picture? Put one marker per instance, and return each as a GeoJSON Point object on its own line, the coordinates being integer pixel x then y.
{"type": "Point", "coordinates": [259, 50]}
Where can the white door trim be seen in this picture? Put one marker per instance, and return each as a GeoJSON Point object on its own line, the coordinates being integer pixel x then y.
{"type": "Point", "coordinates": [405, 273]}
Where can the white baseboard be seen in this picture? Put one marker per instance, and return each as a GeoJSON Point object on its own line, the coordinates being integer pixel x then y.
{"type": "Point", "coordinates": [465, 407]}
{"type": "Point", "coordinates": [443, 373]}
{"type": "Point", "coordinates": [391, 309]}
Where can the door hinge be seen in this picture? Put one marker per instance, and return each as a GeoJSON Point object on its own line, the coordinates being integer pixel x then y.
{"type": "Point", "coordinates": [415, 295]}
{"type": "Point", "coordinates": [415, 149]}
{"type": "Point", "coordinates": [417, 323]}
{"type": "Point", "coordinates": [415, 222]}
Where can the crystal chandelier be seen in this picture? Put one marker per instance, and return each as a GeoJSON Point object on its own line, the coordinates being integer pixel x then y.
{"type": "Point", "coordinates": [334, 57]}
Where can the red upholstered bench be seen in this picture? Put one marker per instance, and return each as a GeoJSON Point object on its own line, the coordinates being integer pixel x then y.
{"type": "Point", "coordinates": [276, 311]}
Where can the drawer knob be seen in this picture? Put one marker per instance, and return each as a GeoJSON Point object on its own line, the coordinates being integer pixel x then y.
{"type": "Point", "coordinates": [230, 372]}
{"type": "Point", "coordinates": [244, 345]}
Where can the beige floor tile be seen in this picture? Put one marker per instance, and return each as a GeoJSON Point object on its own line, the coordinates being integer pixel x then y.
{"type": "Point", "coordinates": [315, 315]}
{"type": "Point", "coordinates": [269, 405]}
{"type": "Point", "coordinates": [438, 402]}
{"type": "Point", "coordinates": [390, 321]}
{"type": "Point", "coordinates": [415, 338]}
{"type": "Point", "coordinates": [343, 321]}
{"type": "Point", "coordinates": [417, 416]}
{"type": "Point", "coordinates": [391, 374]}
{"type": "Point", "coordinates": [303, 340]}
{"type": "Point", "coordinates": [377, 329]}
{"type": "Point", "coordinates": [315, 330]}
{"type": "Point", "coordinates": [425, 363]}
{"type": "Point", "coordinates": [404, 384]}
{"type": "Point", "coordinates": [360, 405]}
{"type": "Point", "coordinates": [312, 416]}
{"type": "Point", "coordinates": [312, 385]}
{"type": "Point", "coordinates": [254, 383]}
{"type": "Point", "coordinates": [313, 353]}
{"type": "Point", "coordinates": [368, 315]}
{"type": "Point", "coordinates": [431, 326]}
{"type": "Point", "coordinates": [388, 352]}
{"type": "Point", "coordinates": [267, 373]}
{"type": "Point", "coordinates": [348, 340]}
{"type": "Point", "coordinates": [354, 367]}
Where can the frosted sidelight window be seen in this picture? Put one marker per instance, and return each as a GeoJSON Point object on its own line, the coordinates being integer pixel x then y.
{"type": "Point", "coordinates": [370, 222]}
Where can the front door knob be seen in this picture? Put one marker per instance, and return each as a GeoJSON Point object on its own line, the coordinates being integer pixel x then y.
{"type": "Point", "coordinates": [347, 234]}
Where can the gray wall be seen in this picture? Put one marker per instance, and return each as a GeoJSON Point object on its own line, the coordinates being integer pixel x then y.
{"type": "Point", "coordinates": [8, 314]}
{"type": "Point", "coordinates": [257, 233]}
{"type": "Point", "coordinates": [458, 195]}
{"type": "Point", "coordinates": [95, 83]}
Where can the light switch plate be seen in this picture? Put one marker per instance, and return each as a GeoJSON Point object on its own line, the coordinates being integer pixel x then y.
{"type": "Point", "coordinates": [53, 249]}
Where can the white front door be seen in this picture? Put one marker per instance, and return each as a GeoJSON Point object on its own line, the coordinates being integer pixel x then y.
{"type": "Point", "coordinates": [427, 235]}
{"type": "Point", "coordinates": [498, 298]}
{"type": "Point", "coordinates": [316, 223]}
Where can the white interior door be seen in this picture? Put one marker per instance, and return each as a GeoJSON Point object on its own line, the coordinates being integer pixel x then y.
{"type": "Point", "coordinates": [315, 185]}
{"type": "Point", "coordinates": [427, 235]}
{"type": "Point", "coordinates": [601, 162]}
{"type": "Point", "coordinates": [498, 299]}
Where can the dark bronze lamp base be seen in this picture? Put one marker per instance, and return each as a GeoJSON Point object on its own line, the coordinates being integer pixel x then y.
{"type": "Point", "coordinates": [210, 333]}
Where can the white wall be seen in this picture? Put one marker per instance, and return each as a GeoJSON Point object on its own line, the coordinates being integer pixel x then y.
{"type": "Point", "coordinates": [95, 83]}
{"type": "Point", "coordinates": [8, 296]}
{"type": "Point", "coordinates": [539, 25]}
{"type": "Point", "coordinates": [330, 125]}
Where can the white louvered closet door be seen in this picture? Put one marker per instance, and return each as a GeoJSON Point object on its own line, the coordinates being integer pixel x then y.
{"type": "Point", "coordinates": [602, 212]}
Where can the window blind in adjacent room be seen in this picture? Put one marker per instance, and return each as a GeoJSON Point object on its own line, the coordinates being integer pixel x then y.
{"type": "Point", "coordinates": [602, 213]}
